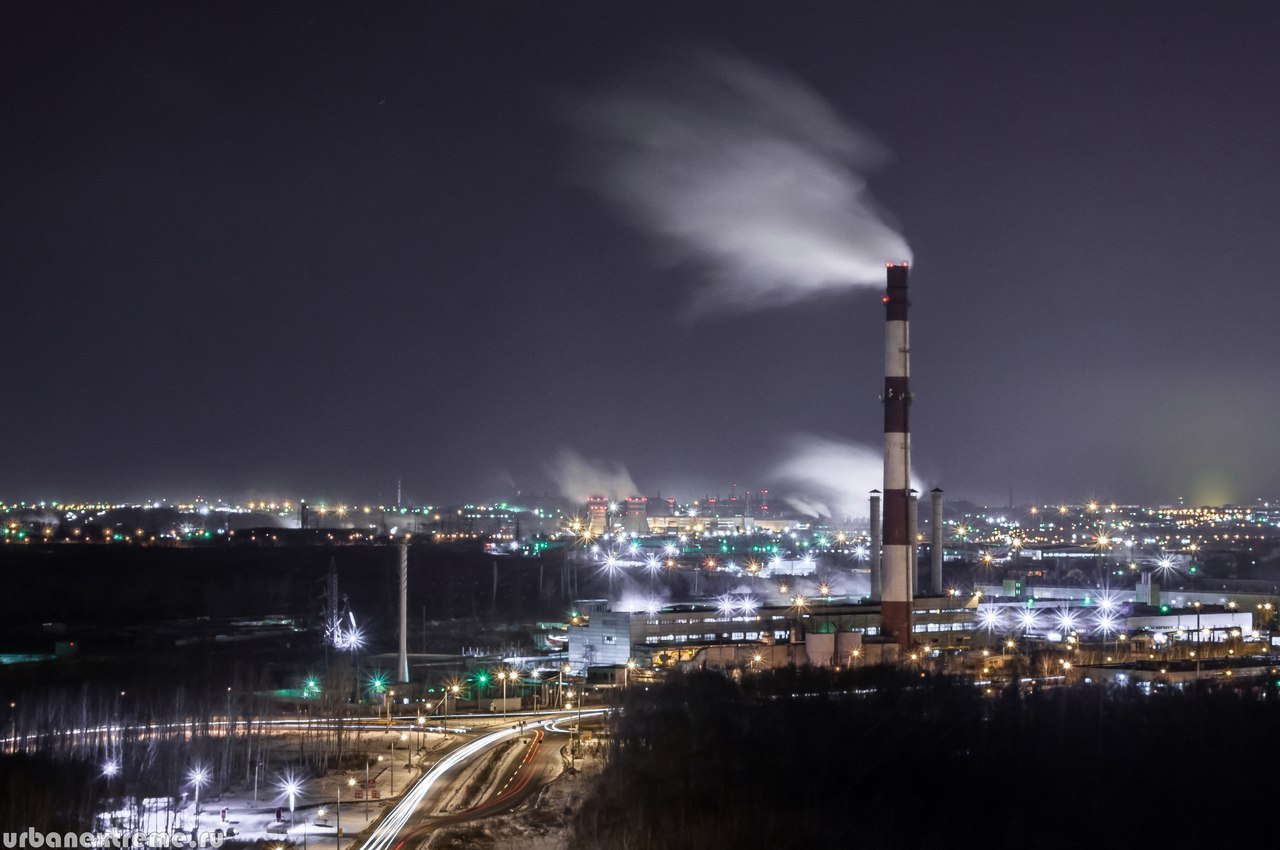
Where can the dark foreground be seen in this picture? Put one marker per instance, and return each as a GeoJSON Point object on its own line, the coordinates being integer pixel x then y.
{"type": "Point", "coordinates": [702, 762]}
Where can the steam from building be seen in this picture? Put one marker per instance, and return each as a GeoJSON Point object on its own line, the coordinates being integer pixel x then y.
{"type": "Point", "coordinates": [744, 172]}
{"type": "Point", "coordinates": [578, 478]}
{"type": "Point", "coordinates": [829, 478]}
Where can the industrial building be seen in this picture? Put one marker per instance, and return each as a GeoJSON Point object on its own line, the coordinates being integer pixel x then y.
{"type": "Point", "coordinates": [814, 632]}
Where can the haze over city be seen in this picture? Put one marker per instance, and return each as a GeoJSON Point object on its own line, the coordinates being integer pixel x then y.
{"type": "Point", "coordinates": [315, 250]}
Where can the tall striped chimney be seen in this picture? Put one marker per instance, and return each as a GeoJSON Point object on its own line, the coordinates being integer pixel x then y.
{"type": "Point", "coordinates": [876, 584]}
{"type": "Point", "coordinates": [896, 576]}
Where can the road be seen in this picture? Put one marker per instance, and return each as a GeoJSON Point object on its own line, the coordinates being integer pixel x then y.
{"type": "Point", "coordinates": [410, 822]}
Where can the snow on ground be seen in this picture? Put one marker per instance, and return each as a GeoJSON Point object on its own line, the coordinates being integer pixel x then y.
{"type": "Point", "coordinates": [316, 812]}
{"type": "Point", "coordinates": [542, 824]}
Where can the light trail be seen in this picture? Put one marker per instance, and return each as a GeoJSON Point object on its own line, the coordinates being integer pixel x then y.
{"type": "Point", "coordinates": [191, 728]}
{"type": "Point", "coordinates": [389, 826]}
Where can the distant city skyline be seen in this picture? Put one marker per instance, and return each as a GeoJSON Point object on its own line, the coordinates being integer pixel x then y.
{"type": "Point", "coordinates": [292, 250]}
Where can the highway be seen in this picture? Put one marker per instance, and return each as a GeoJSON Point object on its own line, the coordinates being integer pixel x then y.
{"type": "Point", "coordinates": [412, 819]}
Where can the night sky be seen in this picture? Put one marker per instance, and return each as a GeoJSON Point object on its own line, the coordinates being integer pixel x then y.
{"type": "Point", "coordinates": [260, 249]}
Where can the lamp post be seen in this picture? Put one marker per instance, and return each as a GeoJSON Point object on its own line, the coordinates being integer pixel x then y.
{"type": "Point", "coordinates": [351, 783]}
{"type": "Point", "coordinates": [199, 776]}
{"type": "Point", "coordinates": [1199, 636]}
{"type": "Point", "coordinates": [573, 739]}
{"type": "Point", "coordinates": [393, 768]}
{"type": "Point", "coordinates": [626, 673]}
{"type": "Point", "coordinates": [110, 769]}
{"type": "Point", "coordinates": [291, 788]}
{"type": "Point", "coordinates": [366, 786]}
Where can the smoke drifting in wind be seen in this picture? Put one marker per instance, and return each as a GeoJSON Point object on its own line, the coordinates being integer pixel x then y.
{"type": "Point", "coordinates": [831, 478]}
{"type": "Point", "coordinates": [747, 172]}
{"type": "Point", "coordinates": [578, 477]}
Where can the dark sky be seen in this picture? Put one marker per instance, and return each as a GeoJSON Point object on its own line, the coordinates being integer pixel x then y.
{"type": "Point", "coordinates": [262, 249]}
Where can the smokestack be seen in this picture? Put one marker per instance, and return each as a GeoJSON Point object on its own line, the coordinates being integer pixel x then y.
{"type": "Point", "coordinates": [404, 614]}
{"type": "Point", "coordinates": [895, 607]}
{"type": "Point", "coordinates": [913, 529]}
{"type": "Point", "coordinates": [875, 545]}
{"type": "Point", "coordinates": [935, 546]}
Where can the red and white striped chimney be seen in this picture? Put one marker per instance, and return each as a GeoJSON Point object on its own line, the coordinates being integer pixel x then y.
{"type": "Point", "coordinates": [896, 576]}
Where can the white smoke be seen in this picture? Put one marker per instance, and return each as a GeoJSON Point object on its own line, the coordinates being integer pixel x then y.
{"type": "Point", "coordinates": [832, 478]}
{"type": "Point", "coordinates": [578, 477]}
{"type": "Point", "coordinates": [746, 171]}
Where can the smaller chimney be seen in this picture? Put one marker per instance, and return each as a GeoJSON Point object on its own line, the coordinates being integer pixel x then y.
{"type": "Point", "coordinates": [935, 548]}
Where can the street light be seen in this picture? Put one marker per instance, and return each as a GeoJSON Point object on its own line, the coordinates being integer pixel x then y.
{"type": "Point", "coordinates": [291, 786]}
{"type": "Point", "coordinates": [626, 673]}
{"type": "Point", "coordinates": [351, 783]}
{"type": "Point", "coordinates": [502, 674]}
{"type": "Point", "coordinates": [366, 786]}
{"type": "Point", "coordinates": [199, 776]}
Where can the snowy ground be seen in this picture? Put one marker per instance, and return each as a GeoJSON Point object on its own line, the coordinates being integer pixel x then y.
{"type": "Point", "coordinates": [316, 813]}
{"type": "Point", "coordinates": [543, 824]}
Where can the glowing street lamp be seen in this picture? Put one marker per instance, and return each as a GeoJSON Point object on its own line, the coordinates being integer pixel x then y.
{"type": "Point", "coordinates": [351, 783]}
{"type": "Point", "coordinates": [503, 675]}
{"type": "Point", "coordinates": [626, 672]}
{"type": "Point", "coordinates": [291, 786]}
{"type": "Point", "coordinates": [198, 777]}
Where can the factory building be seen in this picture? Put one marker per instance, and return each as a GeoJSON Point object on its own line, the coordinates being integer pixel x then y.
{"type": "Point", "coordinates": [818, 633]}
{"type": "Point", "coordinates": [636, 520]}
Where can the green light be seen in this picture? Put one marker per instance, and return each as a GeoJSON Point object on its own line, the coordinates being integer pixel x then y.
{"type": "Point", "coordinates": [482, 678]}
{"type": "Point", "coordinates": [378, 684]}
{"type": "Point", "coordinates": [1192, 570]}
{"type": "Point", "coordinates": [1164, 609]}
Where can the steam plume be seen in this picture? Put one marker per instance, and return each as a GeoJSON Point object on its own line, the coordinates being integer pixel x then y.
{"type": "Point", "coordinates": [578, 477]}
{"type": "Point", "coordinates": [831, 478]}
{"type": "Point", "coordinates": [745, 171]}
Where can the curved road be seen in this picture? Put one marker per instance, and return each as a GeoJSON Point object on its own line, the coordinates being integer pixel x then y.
{"type": "Point", "coordinates": [410, 822]}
